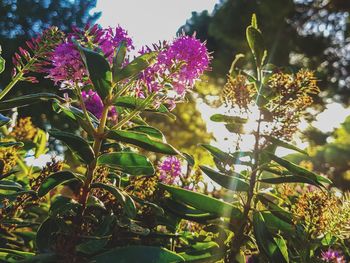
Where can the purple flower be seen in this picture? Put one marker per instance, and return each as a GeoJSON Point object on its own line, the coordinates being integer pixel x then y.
{"type": "Point", "coordinates": [332, 256]}
{"type": "Point", "coordinates": [179, 64]}
{"type": "Point", "coordinates": [170, 170]}
{"type": "Point", "coordinates": [67, 66]}
{"type": "Point", "coordinates": [94, 105]}
{"type": "Point", "coordinates": [111, 39]}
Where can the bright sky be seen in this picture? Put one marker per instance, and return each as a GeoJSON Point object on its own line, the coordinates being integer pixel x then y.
{"type": "Point", "coordinates": [149, 21]}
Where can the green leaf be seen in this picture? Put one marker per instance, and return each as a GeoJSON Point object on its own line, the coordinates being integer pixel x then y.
{"type": "Point", "coordinates": [289, 179]}
{"type": "Point", "coordinates": [11, 144]}
{"type": "Point", "coordinates": [45, 234]}
{"type": "Point", "coordinates": [202, 202]}
{"type": "Point", "coordinates": [2, 64]}
{"type": "Point", "coordinates": [220, 155]}
{"type": "Point", "coordinates": [99, 71]}
{"type": "Point", "coordinates": [11, 255]}
{"type": "Point", "coordinates": [299, 171]}
{"type": "Point", "coordinates": [4, 120]}
{"type": "Point", "coordinates": [256, 44]}
{"type": "Point", "coordinates": [126, 201]}
{"type": "Point", "coordinates": [127, 162]}
{"type": "Point", "coordinates": [119, 59]}
{"type": "Point", "coordinates": [227, 119]}
{"type": "Point", "coordinates": [142, 140]}
{"type": "Point", "coordinates": [235, 127]}
{"type": "Point", "coordinates": [275, 251]}
{"type": "Point", "coordinates": [54, 180]}
{"type": "Point", "coordinates": [133, 103]}
{"type": "Point", "coordinates": [150, 131]}
{"type": "Point", "coordinates": [136, 66]}
{"type": "Point", "coordinates": [137, 254]}
{"type": "Point", "coordinates": [283, 144]}
{"type": "Point", "coordinates": [273, 223]}
{"type": "Point", "coordinates": [26, 100]}
{"type": "Point", "coordinates": [61, 205]}
{"type": "Point", "coordinates": [254, 22]}
{"type": "Point", "coordinates": [202, 256]}
{"type": "Point", "coordinates": [10, 185]}
{"type": "Point", "coordinates": [186, 212]}
{"type": "Point", "coordinates": [76, 144]}
{"type": "Point", "coordinates": [102, 236]}
{"type": "Point", "coordinates": [229, 182]}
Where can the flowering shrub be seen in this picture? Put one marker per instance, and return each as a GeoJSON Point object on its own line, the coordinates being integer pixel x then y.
{"type": "Point", "coordinates": [113, 204]}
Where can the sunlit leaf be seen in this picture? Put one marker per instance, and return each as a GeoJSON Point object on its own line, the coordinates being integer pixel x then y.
{"type": "Point", "coordinates": [76, 144]}
{"type": "Point", "coordinates": [231, 182]}
{"type": "Point", "coordinates": [203, 202]}
{"type": "Point", "coordinates": [128, 162]}
{"type": "Point", "coordinates": [54, 180]}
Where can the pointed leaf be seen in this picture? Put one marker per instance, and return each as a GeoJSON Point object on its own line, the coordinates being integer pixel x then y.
{"type": "Point", "coordinates": [256, 44]}
{"type": "Point", "coordinates": [133, 103]}
{"type": "Point", "coordinates": [202, 202]}
{"type": "Point", "coordinates": [150, 131]}
{"type": "Point", "coordinates": [126, 201]}
{"type": "Point", "coordinates": [76, 144]}
{"type": "Point", "coordinates": [283, 144]}
{"type": "Point", "coordinates": [220, 155]}
{"type": "Point", "coordinates": [227, 119]}
{"type": "Point", "coordinates": [275, 251]}
{"type": "Point", "coordinates": [99, 71]}
{"type": "Point", "coordinates": [26, 100]}
{"type": "Point", "coordinates": [54, 180]}
{"type": "Point", "coordinates": [229, 182]}
{"type": "Point", "coordinates": [299, 171]}
{"type": "Point", "coordinates": [128, 162]}
{"type": "Point", "coordinates": [142, 140]}
{"type": "Point", "coordinates": [136, 66]}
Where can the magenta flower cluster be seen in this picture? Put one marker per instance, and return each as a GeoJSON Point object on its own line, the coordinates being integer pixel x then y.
{"type": "Point", "coordinates": [332, 256]}
{"type": "Point", "coordinates": [179, 64]}
{"type": "Point", "coordinates": [170, 170]}
{"type": "Point", "coordinates": [67, 66]}
{"type": "Point", "coordinates": [94, 105]}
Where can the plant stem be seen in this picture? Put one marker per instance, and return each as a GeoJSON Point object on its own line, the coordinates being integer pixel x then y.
{"type": "Point", "coordinates": [17, 78]}
{"type": "Point", "coordinates": [238, 239]}
{"type": "Point", "coordinates": [86, 114]}
{"type": "Point", "coordinates": [11, 84]}
{"type": "Point", "coordinates": [133, 113]}
{"type": "Point", "coordinates": [98, 138]}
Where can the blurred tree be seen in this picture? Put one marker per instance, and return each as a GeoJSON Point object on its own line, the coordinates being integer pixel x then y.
{"type": "Point", "coordinates": [22, 20]}
{"type": "Point", "coordinates": [302, 33]}
{"type": "Point", "coordinates": [328, 154]}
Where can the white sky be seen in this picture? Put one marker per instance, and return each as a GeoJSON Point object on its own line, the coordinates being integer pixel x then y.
{"type": "Point", "coordinates": [148, 21]}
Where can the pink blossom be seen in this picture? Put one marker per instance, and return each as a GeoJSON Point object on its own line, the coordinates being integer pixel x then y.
{"type": "Point", "coordinates": [67, 66]}
{"type": "Point", "coordinates": [332, 256]}
{"type": "Point", "coordinates": [179, 64]}
{"type": "Point", "coordinates": [94, 105]}
{"type": "Point", "coordinates": [170, 170]}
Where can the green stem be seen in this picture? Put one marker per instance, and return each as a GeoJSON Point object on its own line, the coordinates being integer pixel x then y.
{"type": "Point", "coordinates": [86, 114]}
{"type": "Point", "coordinates": [11, 84]}
{"type": "Point", "coordinates": [18, 77]}
{"type": "Point", "coordinates": [96, 148]}
{"type": "Point", "coordinates": [133, 113]}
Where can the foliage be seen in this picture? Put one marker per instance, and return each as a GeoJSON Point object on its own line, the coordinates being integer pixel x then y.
{"type": "Point", "coordinates": [114, 204]}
